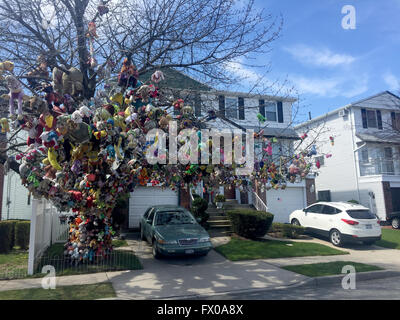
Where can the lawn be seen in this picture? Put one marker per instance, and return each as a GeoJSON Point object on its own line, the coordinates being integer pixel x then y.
{"type": "Point", "coordinates": [390, 239]}
{"type": "Point", "coordinates": [78, 292]}
{"type": "Point", "coordinates": [119, 260]}
{"type": "Point", "coordinates": [238, 249]}
{"type": "Point", "coordinates": [13, 264]}
{"type": "Point", "coordinates": [329, 268]}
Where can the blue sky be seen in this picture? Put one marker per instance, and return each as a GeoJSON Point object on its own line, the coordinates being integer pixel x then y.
{"type": "Point", "coordinates": [328, 65]}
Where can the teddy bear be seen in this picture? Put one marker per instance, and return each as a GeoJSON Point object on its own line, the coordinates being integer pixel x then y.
{"type": "Point", "coordinates": [68, 83]}
{"type": "Point", "coordinates": [33, 77]}
{"type": "Point", "coordinates": [6, 66]}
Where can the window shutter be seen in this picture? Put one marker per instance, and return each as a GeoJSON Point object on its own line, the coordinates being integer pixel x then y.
{"type": "Point", "coordinates": [222, 106]}
{"type": "Point", "coordinates": [364, 118]}
{"type": "Point", "coordinates": [379, 117]}
{"type": "Point", "coordinates": [197, 105]}
{"type": "Point", "coordinates": [241, 108]}
{"type": "Point", "coordinates": [261, 104]}
{"type": "Point", "coordinates": [393, 116]}
{"type": "Point", "coordinates": [280, 112]}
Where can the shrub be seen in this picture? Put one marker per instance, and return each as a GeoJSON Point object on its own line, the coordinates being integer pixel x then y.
{"type": "Point", "coordinates": [353, 201]}
{"type": "Point", "coordinates": [199, 207]}
{"type": "Point", "coordinates": [12, 236]}
{"type": "Point", "coordinates": [6, 236]}
{"type": "Point", "coordinates": [250, 223]}
{"type": "Point", "coordinates": [219, 198]}
{"type": "Point", "coordinates": [288, 230]}
{"type": "Point", "coordinates": [22, 229]}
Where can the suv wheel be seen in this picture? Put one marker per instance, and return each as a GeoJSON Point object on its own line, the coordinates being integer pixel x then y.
{"type": "Point", "coordinates": [295, 222]}
{"type": "Point", "coordinates": [336, 238]}
{"type": "Point", "coordinates": [396, 223]}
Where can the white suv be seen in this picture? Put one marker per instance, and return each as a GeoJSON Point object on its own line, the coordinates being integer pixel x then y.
{"type": "Point", "coordinates": [340, 221]}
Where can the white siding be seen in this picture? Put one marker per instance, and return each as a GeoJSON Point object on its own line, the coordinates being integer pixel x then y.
{"type": "Point", "coordinates": [18, 208]}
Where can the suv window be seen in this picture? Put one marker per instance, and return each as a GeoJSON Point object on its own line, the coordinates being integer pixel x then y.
{"type": "Point", "coordinates": [315, 208]}
{"type": "Point", "coordinates": [330, 210]}
{"type": "Point", "coordinates": [361, 214]}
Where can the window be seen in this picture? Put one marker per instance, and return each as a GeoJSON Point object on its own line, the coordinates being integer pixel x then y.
{"type": "Point", "coordinates": [147, 213]}
{"type": "Point", "coordinates": [261, 104]}
{"type": "Point", "coordinates": [321, 160]}
{"type": "Point", "coordinates": [151, 216]}
{"type": "Point", "coordinates": [221, 102]}
{"type": "Point", "coordinates": [364, 155]}
{"type": "Point", "coordinates": [371, 119]}
{"type": "Point", "coordinates": [324, 195]}
{"type": "Point", "coordinates": [317, 208]}
{"type": "Point", "coordinates": [330, 210]}
{"type": "Point", "coordinates": [270, 111]}
{"type": "Point", "coordinates": [197, 105]}
{"type": "Point", "coordinates": [231, 108]}
{"type": "Point", "coordinates": [360, 214]}
{"type": "Point", "coordinates": [395, 120]}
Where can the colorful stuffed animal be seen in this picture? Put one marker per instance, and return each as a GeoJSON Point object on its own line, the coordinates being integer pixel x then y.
{"type": "Point", "coordinates": [6, 66]}
{"type": "Point", "coordinates": [15, 93]}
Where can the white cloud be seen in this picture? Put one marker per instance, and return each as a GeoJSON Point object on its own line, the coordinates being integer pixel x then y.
{"type": "Point", "coordinates": [391, 81]}
{"type": "Point", "coordinates": [319, 57]}
{"type": "Point", "coordinates": [237, 68]}
{"type": "Point", "coordinates": [331, 87]}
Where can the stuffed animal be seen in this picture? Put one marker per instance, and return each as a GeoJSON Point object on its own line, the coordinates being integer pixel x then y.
{"type": "Point", "coordinates": [157, 76]}
{"type": "Point", "coordinates": [5, 127]}
{"type": "Point", "coordinates": [6, 66]}
{"type": "Point", "coordinates": [128, 75]}
{"type": "Point", "coordinates": [15, 93]}
{"type": "Point", "coordinates": [33, 77]}
{"type": "Point", "coordinates": [68, 83]}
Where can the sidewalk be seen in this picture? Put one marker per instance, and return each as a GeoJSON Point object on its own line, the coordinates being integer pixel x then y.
{"type": "Point", "coordinates": [177, 278]}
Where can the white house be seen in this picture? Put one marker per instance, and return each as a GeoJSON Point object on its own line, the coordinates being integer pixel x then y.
{"type": "Point", "coordinates": [358, 149]}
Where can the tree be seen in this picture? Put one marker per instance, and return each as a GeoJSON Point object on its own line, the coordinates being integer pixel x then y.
{"type": "Point", "coordinates": [87, 147]}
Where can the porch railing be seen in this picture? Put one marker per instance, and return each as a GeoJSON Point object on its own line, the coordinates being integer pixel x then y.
{"type": "Point", "coordinates": [258, 203]}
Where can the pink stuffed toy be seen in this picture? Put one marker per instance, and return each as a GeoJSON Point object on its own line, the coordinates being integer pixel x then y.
{"type": "Point", "coordinates": [15, 93]}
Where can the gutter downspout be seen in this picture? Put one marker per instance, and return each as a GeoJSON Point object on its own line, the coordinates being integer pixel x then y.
{"type": "Point", "coordinates": [354, 155]}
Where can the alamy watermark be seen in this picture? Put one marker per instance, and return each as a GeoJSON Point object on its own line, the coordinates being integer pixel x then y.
{"type": "Point", "coordinates": [49, 280]}
{"type": "Point", "coordinates": [349, 280]}
{"type": "Point", "coordinates": [349, 20]}
{"type": "Point", "coordinates": [195, 147]}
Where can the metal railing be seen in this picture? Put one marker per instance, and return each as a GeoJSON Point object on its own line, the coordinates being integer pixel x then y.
{"type": "Point", "coordinates": [258, 203]}
{"type": "Point", "coordinates": [379, 166]}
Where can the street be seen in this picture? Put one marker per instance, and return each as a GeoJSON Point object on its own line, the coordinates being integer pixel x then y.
{"type": "Point", "coordinates": [379, 289]}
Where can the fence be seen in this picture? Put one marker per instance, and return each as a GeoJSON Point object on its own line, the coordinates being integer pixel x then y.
{"type": "Point", "coordinates": [46, 229]}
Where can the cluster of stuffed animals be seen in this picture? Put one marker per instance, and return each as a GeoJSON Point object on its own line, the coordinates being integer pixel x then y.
{"type": "Point", "coordinates": [82, 155]}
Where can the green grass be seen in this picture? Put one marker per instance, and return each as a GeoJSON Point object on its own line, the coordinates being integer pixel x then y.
{"type": "Point", "coordinates": [78, 292]}
{"type": "Point", "coordinates": [238, 249]}
{"type": "Point", "coordinates": [329, 268]}
{"type": "Point", "coordinates": [120, 260]}
{"type": "Point", "coordinates": [390, 239]}
{"type": "Point", "coordinates": [119, 243]}
{"type": "Point", "coordinates": [13, 263]}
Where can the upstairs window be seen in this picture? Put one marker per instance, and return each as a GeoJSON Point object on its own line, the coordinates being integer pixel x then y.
{"type": "Point", "coordinates": [395, 120]}
{"type": "Point", "coordinates": [371, 119]}
{"type": "Point", "coordinates": [270, 111]}
{"type": "Point", "coordinates": [231, 108]}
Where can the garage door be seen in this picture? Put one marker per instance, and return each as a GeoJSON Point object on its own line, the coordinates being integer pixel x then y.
{"type": "Point", "coordinates": [142, 198]}
{"type": "Point", "coordinates": [282, 202]}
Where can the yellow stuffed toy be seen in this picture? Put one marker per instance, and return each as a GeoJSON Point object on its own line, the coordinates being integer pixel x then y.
{"type": "Point", "coordinates": [6, 66]}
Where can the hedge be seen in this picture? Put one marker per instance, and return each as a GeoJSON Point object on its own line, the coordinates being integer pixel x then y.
{"type": "Point", "coordinates": [288, 230]}
{"type": "Point", "coordinates": [22, 229]}
{"type": "Point", "coordinates": [12, 241]}
{"type": "Point", "coordinates": [250, 223]}
{"type": "Point", "coordinates": [6, 232]}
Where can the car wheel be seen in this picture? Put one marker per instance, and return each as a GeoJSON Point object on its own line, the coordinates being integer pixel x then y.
{"type": "Point", "coordinates": [295, 222]}
{"type": "Point", "coordinates": [142, 237]}
{"type": "Point", "coordinates": [396, 223]}
{"type": "Point", "coordinates": [156, 253]}
{"type": "Point", "coordinates": [336, 238]}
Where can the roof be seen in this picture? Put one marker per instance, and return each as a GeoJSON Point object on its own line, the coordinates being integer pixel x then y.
{"type": "Point", "coordinates": [287, 133]}
{"type": "Point", "coordinates": [353, 104]}
{"type": "Point", "coordinates": [380, 137]}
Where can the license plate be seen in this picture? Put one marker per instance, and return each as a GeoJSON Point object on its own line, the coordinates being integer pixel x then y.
{"type": "Point", "coordinates": [189, 251]}
{"type": "Point", "coordinates": [368, 226]}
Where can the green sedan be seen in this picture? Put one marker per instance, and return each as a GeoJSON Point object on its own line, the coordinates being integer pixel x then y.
{"type": "Point", "coordinates": [172, 230]}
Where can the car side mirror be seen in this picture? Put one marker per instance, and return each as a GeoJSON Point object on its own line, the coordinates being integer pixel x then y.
{"type": "Point", "coordinates": [304, 210]}
{"type": "Point", "coordinates": [149, 221]}
{"type": "Point", "coordinates": [198, 220]}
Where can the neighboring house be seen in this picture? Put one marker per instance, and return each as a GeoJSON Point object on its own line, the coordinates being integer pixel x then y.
{"type": "Point", "coordinates": [365, 164]}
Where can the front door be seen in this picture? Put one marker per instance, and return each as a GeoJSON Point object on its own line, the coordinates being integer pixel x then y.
{"type": "Point", "coordinates": [395, 198]}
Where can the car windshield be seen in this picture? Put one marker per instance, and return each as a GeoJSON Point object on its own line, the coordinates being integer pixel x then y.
{"type": "Point", "coordinates": [361, 214]}
{"type": "Point", "coordinates": [173, 217]}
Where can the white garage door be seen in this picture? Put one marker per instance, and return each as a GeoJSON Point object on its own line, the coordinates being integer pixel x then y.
{"type": "Point", "coordinates": [143, 197]}
{"type": "Point", "coordinates": [282, 202]}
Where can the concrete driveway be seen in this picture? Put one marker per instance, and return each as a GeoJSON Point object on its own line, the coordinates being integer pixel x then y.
{"type": "Point", "coordinates": [194, 276]}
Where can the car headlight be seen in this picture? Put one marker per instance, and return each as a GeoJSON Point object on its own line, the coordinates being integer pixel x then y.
{"type": "Point", "coordinates": [162, 241]}
{"type": "Point", "coordinates": [206, 239]}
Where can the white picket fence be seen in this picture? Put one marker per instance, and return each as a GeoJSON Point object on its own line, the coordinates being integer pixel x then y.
{"type": "Point", "coordinates": [46, 229]}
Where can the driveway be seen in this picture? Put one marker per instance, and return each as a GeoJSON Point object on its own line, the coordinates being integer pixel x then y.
{"type": "Point", "coordinates": [194, 276]}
